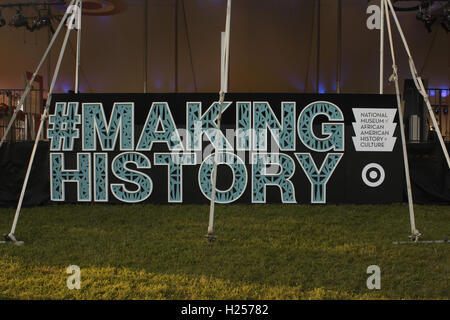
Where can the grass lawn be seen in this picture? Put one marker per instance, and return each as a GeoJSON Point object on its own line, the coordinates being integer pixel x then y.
{"type": "Point", "coordinates": [262, 252]}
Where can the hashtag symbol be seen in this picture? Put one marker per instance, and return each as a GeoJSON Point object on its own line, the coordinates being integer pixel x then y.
{"type": "Point", "coordinates": [63, 126]}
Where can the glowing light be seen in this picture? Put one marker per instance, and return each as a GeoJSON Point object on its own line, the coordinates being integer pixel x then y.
{"type": "Point", "coordinates": [157, 83]}
{"type": "Point", "coordinates": [294, 81]}
{"type": "Point", "coordinates": [444, 93]}
{"type": "Point", "coordinates": [65, 88]}
{"type": "Point", "coordinates": [321, 88]}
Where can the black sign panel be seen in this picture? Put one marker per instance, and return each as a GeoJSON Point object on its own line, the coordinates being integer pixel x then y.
{"type": "Point", "coordinates": [272, 148]}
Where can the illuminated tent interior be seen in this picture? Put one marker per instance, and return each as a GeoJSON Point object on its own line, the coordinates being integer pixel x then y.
{"type": "Point", "coordinates": [174, 45]}
{"type": "Point", "coordinates": [165, 46]}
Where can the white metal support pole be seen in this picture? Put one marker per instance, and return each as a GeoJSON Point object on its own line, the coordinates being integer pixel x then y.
{"type": "Point", "coordinates": [382, 47]}
{"type": "Point", "coordinates": [415, 235]}
{"type": "Point", "coordinates": [30, 83]}
{"type": "Point", "coordinates": [145, 44]}
{"type": "Point", "coordinates": [419, 84]}
{"type": "Point", "coordinates": [223, 89]}
{"type": "Point", "coordinates": [222, 60]}
{"type": "Point", "coordinates": [339, 47]}
{"type": "Point", "coordinates": [77, 66]}
{"type": "Point", "coordinates": [11, 236]}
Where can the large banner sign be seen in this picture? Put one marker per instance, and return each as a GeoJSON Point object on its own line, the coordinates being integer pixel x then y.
{"type": "Point", "coordinates": [286, 148]}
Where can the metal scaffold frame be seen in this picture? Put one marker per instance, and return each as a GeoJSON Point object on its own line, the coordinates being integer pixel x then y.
{"type": "Point", "coordinates": [72, 18]}
{"type": "Point", "coordinates": [387, 10]}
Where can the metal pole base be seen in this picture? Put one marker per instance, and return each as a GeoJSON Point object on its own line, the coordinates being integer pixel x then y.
{"type": "Point", "coordinates": [422, 241]}
{"type": "Point", "coordinates": [11, 239]}
{"type": "Point", "coordinates": [210, 237]}
{"type": "Point", "coordinates": [415, 237]}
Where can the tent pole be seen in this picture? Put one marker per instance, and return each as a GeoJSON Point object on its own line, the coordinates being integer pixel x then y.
{"type": "Point", "coordinates": [381, 46]}
{"type": "Point", "coordinates": [11, 237]}
{"type": "Point", "coordinates": [415, 235]}
{"type": "Point", "coordinates": [419, 84]}
{"type": "Point", "coordinates": [224, 89]}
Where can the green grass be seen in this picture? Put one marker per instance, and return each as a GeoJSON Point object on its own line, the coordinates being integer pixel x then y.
{"type": "Point", "coordinates": [262, 252]}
